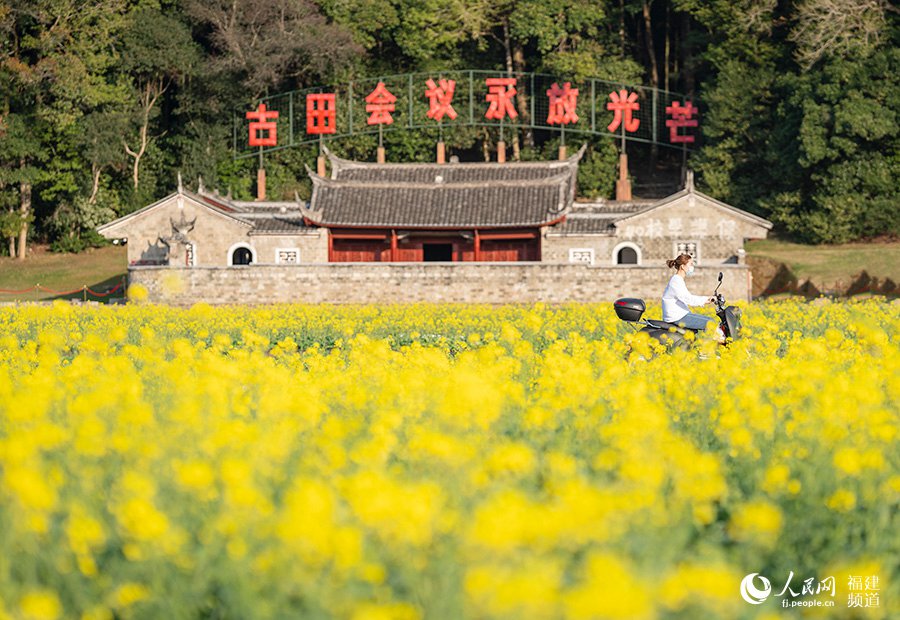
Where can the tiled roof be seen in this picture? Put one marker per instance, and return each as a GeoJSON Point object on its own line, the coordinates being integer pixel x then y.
{"type": "Point", "coordinates": [468, 195]}
{"type": "Point", "coordinates": [456, 205]}
{"type": "Point", "coordinates": [593, 225]}
{"type": "Point", "coordinates": [432, 173]}
{"type": "Point", "coordinates": [278, 224]}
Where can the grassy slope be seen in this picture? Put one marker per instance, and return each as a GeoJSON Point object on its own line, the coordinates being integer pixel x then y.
{"type": "Point", "coordinates": [832, 266]}
{"type": "Point", "coordinates": [99, 269]}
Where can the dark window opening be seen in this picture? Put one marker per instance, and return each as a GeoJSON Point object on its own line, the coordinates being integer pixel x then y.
{"type": "Point", "coordinates": [437, 251]}
{"type": "Point", "coordinates": [242, 256]}
{"type": "Point", "coordinates": [627, 256]}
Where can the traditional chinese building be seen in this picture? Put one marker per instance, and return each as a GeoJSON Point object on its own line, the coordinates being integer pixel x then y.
{"type": "Point", "coordinates": [439, 212]}
{"type": "Point", "coordinates": [366, 214]}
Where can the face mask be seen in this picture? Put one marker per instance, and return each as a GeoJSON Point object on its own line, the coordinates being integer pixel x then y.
{"type": "Point", "coordinates": [690, 270]}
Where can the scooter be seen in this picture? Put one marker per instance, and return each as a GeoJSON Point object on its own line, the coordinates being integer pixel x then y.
{"type": "Point", "coordinates": [672, 335]}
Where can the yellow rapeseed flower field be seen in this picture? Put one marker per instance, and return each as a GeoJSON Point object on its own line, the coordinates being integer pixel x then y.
{"type": "Point", "coordinates": [445, 462]}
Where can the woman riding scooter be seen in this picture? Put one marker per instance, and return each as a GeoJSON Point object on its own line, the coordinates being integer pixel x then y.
{"type": "Point", "coordinates": [677, 299]}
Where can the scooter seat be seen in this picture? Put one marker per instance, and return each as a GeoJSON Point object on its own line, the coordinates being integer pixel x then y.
{"type": "Point", "coordinates": [663, 325]}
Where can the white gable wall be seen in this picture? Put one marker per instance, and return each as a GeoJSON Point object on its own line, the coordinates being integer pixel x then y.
{"type": "Point", "coordinates": [718, 232]}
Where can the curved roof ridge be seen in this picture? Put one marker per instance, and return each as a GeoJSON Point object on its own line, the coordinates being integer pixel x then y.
{"type": "Point", "coordinates": [339, 163]}
{"type": "Point", "coordinates": [552, 180]}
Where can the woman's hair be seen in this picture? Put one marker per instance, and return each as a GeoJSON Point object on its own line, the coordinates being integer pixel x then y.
{"type": "Point", "coordinates": [680, 260]}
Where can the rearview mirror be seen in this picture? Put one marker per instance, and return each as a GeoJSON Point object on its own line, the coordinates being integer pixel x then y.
{"type": "Point", "coordinates": [720, 276]}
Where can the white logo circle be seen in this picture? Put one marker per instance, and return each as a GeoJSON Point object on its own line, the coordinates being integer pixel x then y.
{"type": "Point", "coordinates": [751, 594]}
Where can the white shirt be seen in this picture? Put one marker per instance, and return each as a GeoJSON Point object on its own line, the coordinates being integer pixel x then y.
{"type": "Point", "coordinates": [677, 299]}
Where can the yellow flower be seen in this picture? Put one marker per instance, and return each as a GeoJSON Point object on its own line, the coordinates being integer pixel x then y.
{"type": "Point", "coordinates": [40, 605]}
{"type": "Point", "coordinates": [128, 594]}
{"type": "Point", "coordinates": [610, 589]}
{"type": "Point", "coordinates": [757, 521]}
{"type": "Point", "coordinates": [385, 611]}
{"type": "Point", "coordinates": [841, 500]}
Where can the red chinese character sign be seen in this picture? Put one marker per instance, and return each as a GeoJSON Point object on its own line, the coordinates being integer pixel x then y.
{"type": "Point", "coordinates": [623, 104]}
{"type": "Point", "coordinates": [379, 105]}
{"type": "Point", "coordinates": [624, 110]}
{"type": "Point", "coordinates": [563, 102]}
{"type": "Point", "coordinates": [320, 114]}
{"type": "Point", "coordinates": [681, 117]}
{"type": "Point", "coordinates": [260, 124]}
{"type": "Point", "coordinates": [439, 97]}
{"type": "Point", "coordinates": [500, 94]}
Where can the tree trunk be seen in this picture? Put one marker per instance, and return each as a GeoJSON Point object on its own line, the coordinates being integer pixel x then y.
{"type": "Point", "coordinates": [152, 91]}
{"type": "Point", "coordinates": [667, 51]}
{"type": "Point", "coordinates": [622, 28]}
{"type": "Point", "coordinates": [509, 70]}
{"type": "Point", "coordinates": [654, 70]}
{"type": "Point", "coordinates": [518, 61]}
{"type": "Point", "coordinates": [12, 247]}
{"type": "Point", "coordinates": [648, 40]}
{"type": "Point", "coordinates": [95, 180]}
{"type": "Point", "coordinates": [687, 63]}
{"type": "Point", "coordinates": [24, 211]}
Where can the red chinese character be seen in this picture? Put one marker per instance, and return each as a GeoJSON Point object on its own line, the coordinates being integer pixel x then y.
{"type": "Point", "coordinates": [622, 101]}
{"type": "Point", "coordinates": [562, 104]}
{"type": "Point", "coordinates": [681, 117]}
{"type": "Point", "coordinates": [260, 123]}
{"type": "Point", "coordinates": [380, 104]}
{"type": "Point", "coordinates": [320, 113]}
{"type": "Point", "coordinates": [500, 94]}
{"type": "Point", "coordinates": [439, 98]}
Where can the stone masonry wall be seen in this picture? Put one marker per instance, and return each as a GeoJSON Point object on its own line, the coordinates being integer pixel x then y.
{"type": "Point", "coordinates": [496, 283]}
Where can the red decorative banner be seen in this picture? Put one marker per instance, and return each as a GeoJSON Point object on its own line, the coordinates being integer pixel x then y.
{"type": "Point", "coordinates": [681, 117]}
{"type": "Point", "coordinates": [500, 94]}
{"type": "Point", "coordinates": [379, 105]}
{"type": "Point", "coordinates": [320, 113]}
{"type": "Point", "coordinates": [439, 98]}
{"type": "Point", "coordinates": [623, 104]}
{"type": "Point", "coordinates": [563, 102]}
{"type": "Point", "coordinates": [261, 124]}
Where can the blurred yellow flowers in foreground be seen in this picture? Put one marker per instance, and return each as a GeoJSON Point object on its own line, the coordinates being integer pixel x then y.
{"type": "Point", "coordinates": [443, 461]}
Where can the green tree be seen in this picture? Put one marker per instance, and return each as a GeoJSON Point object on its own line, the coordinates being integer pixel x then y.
{"type": "Point", "coordinates": [157, 50]}
{"type": "Point", "coordinates": [840, 184]}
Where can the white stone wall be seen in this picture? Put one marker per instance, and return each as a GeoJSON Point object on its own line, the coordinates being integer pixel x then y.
{"type": "Point", "coordinates": [495, 283]}
{"type": "Point", "coordinates": [311, 247]}
{"type": "Point", "coordinates": [717, 233]}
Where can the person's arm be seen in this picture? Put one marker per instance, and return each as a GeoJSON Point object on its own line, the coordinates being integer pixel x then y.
{"type": "Point", "coordinates": [682, 294]}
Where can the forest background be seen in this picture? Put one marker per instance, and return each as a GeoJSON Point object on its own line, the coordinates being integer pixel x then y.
{"type": "Point", "coordinates": [103, 103]}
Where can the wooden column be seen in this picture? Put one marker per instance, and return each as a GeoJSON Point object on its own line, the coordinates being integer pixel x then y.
{"type": "Point", "coordinates": [261, 184]}
{"type": "Point", "coordinates": [501, 152]}
{"type": "Point", "coordinates": [562, 152]}
{"type": "Point", "coordinates": [330, 247]}
{"type": "Point", "coordinates": [477, 246]}
{"type": "Point", "coordinates": [379, 155]}
{"type": "Point", "coordinates": [441, 153]}
{"type": "Point", "coordinates": [393, 245]}
{"type": "Point", "coordinates": [623, 185]}
{"type": "Point", "coordinates": [320, 165]}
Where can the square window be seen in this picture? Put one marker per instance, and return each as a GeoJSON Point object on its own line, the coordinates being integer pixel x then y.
{"type": "Point", "coordinates": [581, 255]}
{"type": "Point", "coordinates": [688, 247]}
{"type": "Point", "coordinates": [287, 256]}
